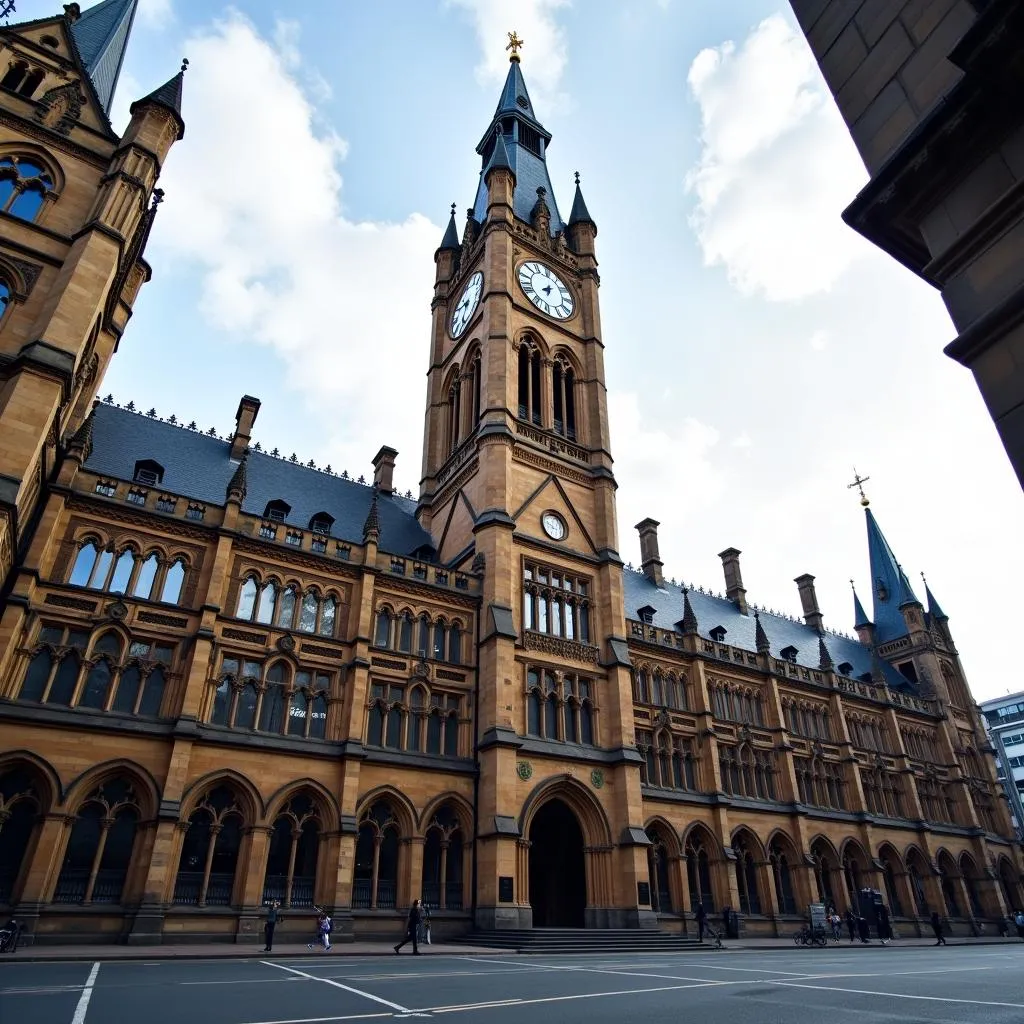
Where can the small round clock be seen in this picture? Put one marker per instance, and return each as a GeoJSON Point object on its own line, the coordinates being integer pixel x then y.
{"type": "Point", "coordinates": [546, 290]}
{"type": "Point", "coordinates": [466, 306]}
{"type": "Point", "coordinates": [554, 525]}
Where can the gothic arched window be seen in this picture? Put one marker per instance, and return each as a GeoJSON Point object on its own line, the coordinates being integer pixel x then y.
{"type": "Point", "coordinates": [170, 593]}
{"type": "Point", "coordinates": [529, 384]}
{"type": "Point", "coordinates": [563, 382]}
{"type": "Point", "coordinates": [24, 185]}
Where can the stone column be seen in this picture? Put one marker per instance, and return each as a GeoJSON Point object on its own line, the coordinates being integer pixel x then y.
{"type": "Point", "coordinates": [252, 861]}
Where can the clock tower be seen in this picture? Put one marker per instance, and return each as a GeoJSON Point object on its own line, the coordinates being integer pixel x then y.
{"type": "Point", "coordinates": [517, 484]}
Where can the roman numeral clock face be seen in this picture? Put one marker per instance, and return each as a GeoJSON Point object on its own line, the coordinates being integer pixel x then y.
{"type": "Point", "coordinates": [546, 290]}
{"type": "Point", "coordinates": [466, 306]}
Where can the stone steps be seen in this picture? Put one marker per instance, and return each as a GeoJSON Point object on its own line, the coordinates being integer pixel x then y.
{"type": "Point", "coordinates": [579, 940]}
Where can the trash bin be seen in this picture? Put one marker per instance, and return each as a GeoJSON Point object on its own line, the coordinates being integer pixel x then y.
{"type": "Point", "coordinates": [731, 923]}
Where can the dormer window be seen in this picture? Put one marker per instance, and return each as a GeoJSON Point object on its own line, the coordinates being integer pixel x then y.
{"type": "Point", "coordinates": [277, 511]}
{"type": "Point", "coordinates": [788, 654]}
{"type": "Point", "coordinates": [845, 668]}
{"type": "Point", "coordinates": [321, 523]}
{"type": "Point", "coordinates": [718, 634]}
{"type": "Point", "coordinates": [646, 614]}
{"type": "Point", "coordinates": [148, 472]}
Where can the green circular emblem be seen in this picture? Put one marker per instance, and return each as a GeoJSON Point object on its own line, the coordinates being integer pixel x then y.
{"type": "Point", "coordinates": [597, 778]}
{"type": "Point", "coordinates": [525, 770]}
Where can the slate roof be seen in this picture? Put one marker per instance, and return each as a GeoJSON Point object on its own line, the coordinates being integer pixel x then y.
{"type": "Point", "coordinates": [782, 632]}
{"type": "Point", "coordinates": [530, 170]}
{"type": "Point", "coordinates": [889, 584]}
{"type": "Point", "coordinates": [198, 466]}
{"type": "Point", "coordinates": [579, 214]}
{"type": "Point", "coordinates": [168, 96]}
{"type": "Point", "coordinates": [101, 35]}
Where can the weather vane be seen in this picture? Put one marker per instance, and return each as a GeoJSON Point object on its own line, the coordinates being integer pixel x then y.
{"type": "Point", "coordinates": [514, 43]}
{"type": "Point", "coordinates": [859, 482]}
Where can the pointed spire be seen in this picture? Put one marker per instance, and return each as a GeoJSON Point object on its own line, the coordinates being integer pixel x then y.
{"type": "Point", "coordinates": [934, 608]}
{"type": "Point", "coordinates": [499, 157]}
{"type": "Point", "coordinates": [81, 440]}
{"type": "Point", "coordinates": [450, 242]}
{"type": "Point", "coordinates": [825, 662]}
{"type": "Point", "coordinates": [237, 485]}
{"type": "Point", "coordinates": [860, 617]}
{"type": "Point", "coordinates": [101, 36]}
{"type": "Point", "coordinates": [167, 96]}
{"type": "Point", "coordinates": [889, 583]}
{"type": "Point", "coordinates": [689, 619]}
{"type": "Point", "coordinates": [371, 528]}
{"type": "Point", "coordinates": [514, 98]}
{"type": "Point", "coordinates": [763, 644]}
{"type": "Point", "coordinates": [580, 214]}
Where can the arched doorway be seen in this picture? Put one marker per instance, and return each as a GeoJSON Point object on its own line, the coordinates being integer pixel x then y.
{"type": "Point", "coordinates": [558, 883]}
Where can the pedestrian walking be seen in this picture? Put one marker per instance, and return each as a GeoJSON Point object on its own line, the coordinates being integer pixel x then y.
{"type": "Point", "coordinates": [1018, 920]}
{"type": "Point", "coordinates": [851, 925]}
{"type": "Point", "coordinates": [323, 929]}
{"type": "Point", "coordinates": [837, 925]}
{"type": "Point", "coordinates": [937, 928]}
{"type": "Point", "coordinates": [884, 924]}
{"type": "Point", "coordinates": [425, 924]}
{"type": "Point", "coordinates": [862, 929]}
{"type": "Point", "coordinates": [268, 927]}
{"type": "Point", "coordinates": [702, 920]}
{"type": "Point", "coordinates": [412, 925]}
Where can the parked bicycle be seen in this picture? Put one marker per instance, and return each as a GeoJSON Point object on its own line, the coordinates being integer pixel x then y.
{"type": "Point", "coordinates": [808, 936]}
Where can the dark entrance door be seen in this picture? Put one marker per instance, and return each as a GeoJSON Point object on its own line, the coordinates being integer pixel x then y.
{"type": "Point", "coordinates": [558, 883]}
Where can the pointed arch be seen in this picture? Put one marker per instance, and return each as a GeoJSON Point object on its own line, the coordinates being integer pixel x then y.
{"type": "Point", "coordinates": [780, 837]}
{"type": "Point", "coordinates": [565, 787]}
{"type": "Point", "coordinates": [43, 774]}
{"type": "Point", "coordinates": [462, 807]}
{"type": "Point", "coordinates": [745, 833]}
{"type": "Point", "coordinates": [252, 803]}
{"type": "Point", "coordinates": [325, 800]}
{"type": "Point", "coordinates": [851, 847]}
{"type": "Point", "coordinates": [699, 832]}
{"type": "Point", "coordinates": [664, 828]}
{"type": "Point", "coordinates": [147, 789]}
{"type": "Point", "coordinates": [405, 812]}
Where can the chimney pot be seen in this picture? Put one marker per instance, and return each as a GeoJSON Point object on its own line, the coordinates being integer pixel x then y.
{"type": "Point", "coordinates": [809, 601]}
{"type": "Point", "coordinates": [384, 470]}
{"type": "Point", "coordinates": [650, 557]}
{"type": "Point", "coordinates": [248, 410]}
{"type": "Point", "coordinates": [734, 589]}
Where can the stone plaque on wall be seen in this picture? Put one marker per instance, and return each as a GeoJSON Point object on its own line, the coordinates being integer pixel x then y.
{"type": "Point", "coordinates": [643, 893]}
{"type": "Point", "coordinates": [506, 889]}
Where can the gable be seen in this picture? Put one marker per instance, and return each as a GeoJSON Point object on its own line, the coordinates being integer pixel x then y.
{"type": "Point", "coordinates": [551, 497]}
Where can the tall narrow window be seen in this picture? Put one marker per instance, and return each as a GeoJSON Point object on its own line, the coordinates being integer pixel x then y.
{"type": "Point", "coordinates": [23, 187]}
{"type": "Point", "coordinates": [454, 414]}
{"type": "Point", "coordinates": [423, 636]}
{"type": "Point", "coordinates": [405, 633]}
{"type": "Point", "coordinates": [328, 613]}
{"type": "Point", "coordinates": [286, 608]}
{"type": "Point", "coordinates": [247, 599]}
{"type": "Point", "coordinates": [477, 379]}
{"type": "Point", "coordinates": [455, 644]}
{"type": "Point", "coordinates": [147, 575]}
{"type": "Point", "coordinates": [382, 635]}
{"type": "Point", "coordinates": [171, 592]}
{"type": "Point", "coordinates": [122, 572]}
{"type": "Point", "coordinates": [85, 560]}
{"type": "Point", "coordinates": [307, 614]}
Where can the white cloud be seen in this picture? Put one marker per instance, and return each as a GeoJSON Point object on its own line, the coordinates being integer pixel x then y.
{"type": "Point", "coordinates": [340, 301]}
{"type": "Point", "coordinates": [819, 340]}
{"type": "Point", "coordinates": [545, 51]}
{"type": "Point", "coordinates": [156, 14]}
{"type": "Point", "coordinates": [777, 167]}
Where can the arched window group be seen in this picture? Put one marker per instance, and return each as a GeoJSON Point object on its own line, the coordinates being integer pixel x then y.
{"type": "Point", "coordinates": [293, 853]}
{"type": "Point", "coordinates": [883, 792]}
{"type": "Point", "coordinates": [288, 607]}
{"type": "Point", "coordinates": [463, 401]}
{"type": "Point", "coordinates": [99, 849]}
{"type": "Point", "coordinates": [560, 706]}
{"type": "Point", "coordinates": [20, 808]}
{"type": "Point", "coordinates": [128, 677]}
{"type": "Point", "coordinates": [699, 858]}
{"type": "Point", "coordinates": [437, 639]}
{"type": "Point", "coordinates": [746, 877]}
{"type": "Point", "coordinates": [22, 79]}
{"type": "Point", "coordinates": [868, 733]}
{"type": "Point", "coordinates": [556, 602]}
{"type": "Point", "coordinates": [443, 861]}
{"type": "Point", "coordinates": [780, 861]}
{"type": "Point", "coordinates": [413, 718]}
{"type": "Point", "coordinates": [209, 851]}
{"type": "Point", "coordinates": [810, 720]}
{"type": "Point", "coordinates": [917, 872]}
{"type": "Point", "coordinates": [733, 703]}
{"type": "Point", "coordinates": [547, 391]}
{"type": "Point", "coordinates": [747, 771]}
{"type": "Point", "coordinates": [937, 803]}
{"type": "Point", "coordinates": [24, 186]}
{"type": "Point", "coordinates": [826, 864]}
{"type": "Point", "coordinates": [660, 689]}
{"type": "Point", "coordinates": [854, 864]}
{"type": "Point", "coordinates": [919, 744]}
{"type": "Point", "coordinates": [669, 761]}
{"type": "Point", "coordinates": [152, 576]}
{"type": "Point", "coordinates": [375, 878]}
{"type": "Point", "coordinates": [658, 870]}
{"type": "Point", "coordinates": [820, 783]}
{"type": "Point", "coordinates": [891, 866]}
{"type": "Point", "coordinates": [278, 699]}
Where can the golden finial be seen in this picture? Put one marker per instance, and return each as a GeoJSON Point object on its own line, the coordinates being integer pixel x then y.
{"type": "Point", "coordinates": [514, 42]}
{"type": "Point", "coordinates": [859, 482]}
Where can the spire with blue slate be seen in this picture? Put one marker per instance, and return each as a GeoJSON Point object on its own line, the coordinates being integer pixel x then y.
{"type": "Point", "coordinates": [450, 242]}
{"type": "Point", "coordinates": [889, 585]}
{"type": "Point", "coordinates": [580, 214]}
{"type": "Point", "coordinates": [525, 142]}
{"type": "Point", "coordinates": [101, 37]}
{"type": "Point", "coordinates": [934, 608]}
{"type": "Point", "coordinates": [860, 617]}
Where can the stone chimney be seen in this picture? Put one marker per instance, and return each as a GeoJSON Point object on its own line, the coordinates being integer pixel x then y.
{"type": "Point", "coordinates": [248, 409]}
{"type": "Point", "coordinates": [650, 558]}
{"type": "Point", "coordinates": [733, 578]}
{"type": "Point", "coordinates": [384, 470]}
{"type": "Point", "coordinates": [809, 601]}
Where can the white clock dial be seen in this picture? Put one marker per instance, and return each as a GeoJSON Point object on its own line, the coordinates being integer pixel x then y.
{"type": "Point", "coordinates": [546, 290]}
{"type": "Point", "coordinates": [554, 525]}
{"type": "Point", "coordinates": [466, 306]}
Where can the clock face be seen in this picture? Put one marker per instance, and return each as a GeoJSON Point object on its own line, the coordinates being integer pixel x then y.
{"type": "Point", "coordinates": [546, 290]}
{"type": "Point", "coordinates": [554, 525]}
{"type": "Point", "coordinates": [468, 301]}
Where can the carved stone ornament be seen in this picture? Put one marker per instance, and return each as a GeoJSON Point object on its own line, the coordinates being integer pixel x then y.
{"type": "Point", "coordinates": [524, 770]}
{"type": "Point", "coordinates": [421, 670]}
{"type": "Point", "coordinates": [597, 778]}
{"type": "Point", "coordinates": [61, 107]}
{"type": "Point", "coordinates": [663, 719]}
{"type": "Point", "coordinates": [286, 643]}
{"type": "Point", "coordinates": [117, 610]}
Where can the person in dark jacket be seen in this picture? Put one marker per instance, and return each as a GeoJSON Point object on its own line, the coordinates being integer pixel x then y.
{"type": "Point", "coordinates": [702, 921]}
{"type": "Point", "coordinates": [268, 928]}
{"type": "Point", "coordinates": [884, 924]}
{"type": "Point", "coordinates": [412, 926]}
{"type": "Point", "coordinates": [937, 928]}
{"type": "Point", "coordinates": [851, 924]}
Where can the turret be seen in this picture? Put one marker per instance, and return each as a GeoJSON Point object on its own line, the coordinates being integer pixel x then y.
{"type": "Point", "coordinates": [861, 623]}
{"type": "Point", "coordinates": [447, 256]}
{"type": "Point", "coordinates": [500, 179]}
{"type": "Point", "coordinates": [582, 229]}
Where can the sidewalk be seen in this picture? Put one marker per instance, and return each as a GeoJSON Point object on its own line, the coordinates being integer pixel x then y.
{"type": "Point", "coordinates": [232, 951]}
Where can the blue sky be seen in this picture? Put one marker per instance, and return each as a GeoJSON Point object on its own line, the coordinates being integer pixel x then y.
{"type": "Point", "coordinates": [756, 349]}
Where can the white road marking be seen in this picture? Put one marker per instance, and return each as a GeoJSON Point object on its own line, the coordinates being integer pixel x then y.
{"type": "Point", "coordinates": [40, 990]}
{"type": "Point", "coordinates": [322, 1020]}
{"type": "Point", "coordinates": [245, 981]}
{"type": "Point", "coordinates": [336, 984]}
{"type": "Point", "coordinates": [83, 1001]}
{"type": "Point", "coordinates": [895, 995]}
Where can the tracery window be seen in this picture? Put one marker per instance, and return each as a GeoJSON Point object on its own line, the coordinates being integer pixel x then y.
{"type": "Point", "coordinates": [443, 861]}
{"type": "Point", "coordinates": [271, 603]}
{"type": "Point", "coordinates": [21, 808]}
{"type": "Point", "coordinates": [60, 673]}
{"type": "Point", "coordinates": [99, 850]}
{"type": "Point", "coordinates": [809, 720]}
{"type": "Point", "coordinates": [438, 640]}
{"type": "Point", "coordinates": [660, 689]}
{"type": "Point", "coordinates": [24, 185]}
{"type": "Point", "coordinates": [375, 877]}
{"type": "Point", "coordinates": [530, 397]}
{"type": "Point", "coordinates": [414, 719]}
{"type": "Point", "coordinates": [454, 411]}
{"type": "Point", "coordinates": [698, 872]}
{"type": "Point", "coordinates": [919, 744]}
{"type": "Point", "coordinates": [782, 877]}
{"type": "Point", "coordinates": [868, 733]}
{"type": "Point", "coordinates": [747, 771]}
{"type": "Point", "coordinates": [669, 761]}
{"type": "Point", "coordinates": [883, 792]}
{"type": "Point", "coordinates": [746, 878]}
{"type": "Point", "coordinates": [556, 602]}
{"type": "Point", "coordinates": [820, 783]}
{"type": "Point", "coordinates": [5, 297]}
{"type": "Point", "coordinates": [734, 703]}
{"type": "Point", "coordinates": [209, 851]}
{"type": "Point", "coordinates": [292, 854]}
{"type": "Point", "coordinates": [936, 802]}
{"type": "Point", "coordinates": [563, 385]}
{"type": "Point", "coordinates": [278, 701]}
{"type": "Point", "coordinates": [149, 577]}
{"type": "Point", "coordinates": [560, 706]}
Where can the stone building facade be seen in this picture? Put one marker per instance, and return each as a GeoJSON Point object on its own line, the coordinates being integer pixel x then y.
{"type": "Point", "coordinates": [926, 87]}
{"type": "Point", "coordinates": [227, 677]}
